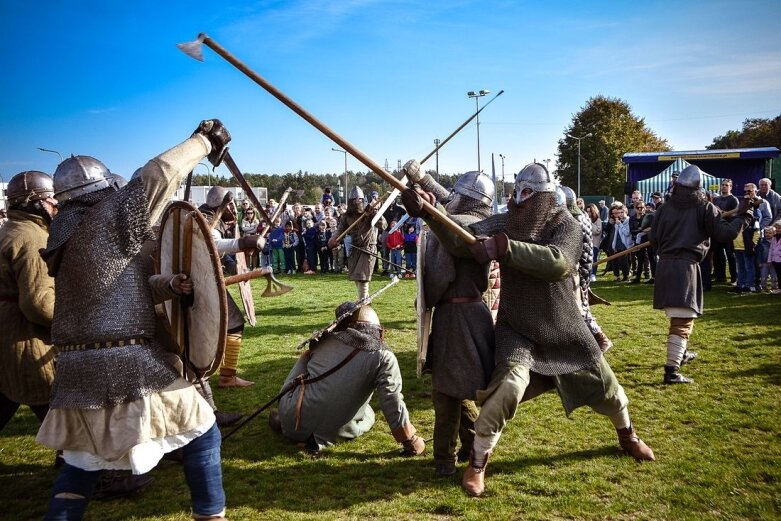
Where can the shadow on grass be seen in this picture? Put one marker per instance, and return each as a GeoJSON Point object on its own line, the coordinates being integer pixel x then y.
{"type": "Point", "coordinates": [769, 372]}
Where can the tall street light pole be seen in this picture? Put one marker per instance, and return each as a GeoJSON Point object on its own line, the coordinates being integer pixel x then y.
{"type": "Point", "coordinates": [477, 95]}
{"type": "Point", "coordinates": [578, 139]}
{"type": "Point", "coordinates": [503, 157]}
{"type": "Point", "coordinates": [51, 151]}
{"type": "Point", "coordinates": [436, 145]}
{"type": "Point", "coordinates": [345, 169]}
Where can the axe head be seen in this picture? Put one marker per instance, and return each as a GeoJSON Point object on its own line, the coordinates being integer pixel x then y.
{"type": "Point", "coordinates": [193, 49]}
{"type": "Point", "coordinates": [274, 288]}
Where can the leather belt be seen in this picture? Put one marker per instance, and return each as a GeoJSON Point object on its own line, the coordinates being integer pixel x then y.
{"type": "Point", "coordinates": [462, 300]}
{"type": "Point", "coordinates": [65, 348]}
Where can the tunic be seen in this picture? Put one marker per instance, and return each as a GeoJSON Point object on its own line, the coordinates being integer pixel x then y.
{"type": "Point", "coordinates": [359, 264]}
{"type": "Point", "coordinates": [132, 434]}
{"type": "Point", "coordinates": [337, 407]}
{"type": "Point", "coordinates": [26, 309]}
{"type": "Point", "coordinates": [680, 234]}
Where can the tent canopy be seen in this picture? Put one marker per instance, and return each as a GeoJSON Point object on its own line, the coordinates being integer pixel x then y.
{"type": "Point", "coordinates": [742, 165]}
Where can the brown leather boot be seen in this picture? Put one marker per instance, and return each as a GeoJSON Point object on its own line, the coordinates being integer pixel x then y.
{"type": "Point", "coordinates": [633, 445]}
{"type": "Point", "coordinates": [473, 481]}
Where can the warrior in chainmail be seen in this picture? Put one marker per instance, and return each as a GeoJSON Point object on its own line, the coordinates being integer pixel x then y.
{"type": "Point", "coordinates": [680, 235]}
{"type": "Point", "coordinates": [539, 329]}
{"type": "Point", "coordinates": [460, 352]}
{"type": "Point", "coordinates": [585, 264]}
{"type": "Point", "coordinates": [353, 362]}
{"type": "Point", "coordinates": [219, 203]}
{"type": "Point", "coordinates": [360, 264]}
{"type": "Point", "coordinates": [116, 401]}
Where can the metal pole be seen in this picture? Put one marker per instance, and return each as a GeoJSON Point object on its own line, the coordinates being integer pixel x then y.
{"type": "Point", "coordinates": [503, 197]}
{"type": "Point", "coordinates": [477, 108]}
{"type": "Point", "coordinates": [578, 168]}
{"type": "Point", "coordinates": [436, 144]}
{"type": "Point", "coordinates": [50, 151]}
{"type": "Point", "coordinates": [345, 168]}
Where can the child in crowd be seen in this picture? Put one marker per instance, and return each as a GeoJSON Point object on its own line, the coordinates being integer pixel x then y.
{"type": "Point", "coordinates": [411, 250]}
{"type": "Point", "coordinates": [395, 242]}
{"type": "Point", "coordinates": [276, 238]}
{"type": "Point", "coordinates": [289, 245]}
{"type": "Point", "coordinates": [773, 235]}
{"type": "Point", "coordinates": [310, 232]}
{"type": "Point", "coordinates": [321, 245]}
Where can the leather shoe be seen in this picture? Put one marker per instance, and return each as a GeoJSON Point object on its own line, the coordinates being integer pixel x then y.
{"type": "Point", "coordinates": [114, 484]}
{"type": "Point", "coordinates": [672, 375]}
{"type": "Point", "coordinates": [226, 419]}
{"type": "Point", "coordinates": [633, 445]}
{"type": "Point", "coordinates": [444, 470]}
{"type": "Point", "coordinates": [473, 481]}
{"type": "Point", "coordinates": [233, 381]}
{"type": "Point", "coordinates": [688, 356]}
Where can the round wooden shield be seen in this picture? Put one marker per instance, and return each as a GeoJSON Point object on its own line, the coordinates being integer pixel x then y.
{"type": "Point", "coordinates": [200, 326]}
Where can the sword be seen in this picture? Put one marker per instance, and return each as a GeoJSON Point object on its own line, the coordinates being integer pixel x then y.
{"type": "Point", "coordinates": [367, 252]}
{"type": "Point", "coordinates": [400, 223]}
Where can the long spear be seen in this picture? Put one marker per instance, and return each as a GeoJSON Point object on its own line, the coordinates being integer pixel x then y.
{"type": "Point", "coordinates": [193, 49]}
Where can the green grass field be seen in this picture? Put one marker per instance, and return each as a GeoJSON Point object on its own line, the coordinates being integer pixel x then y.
{"type": "Point", "coordinates": [716, 442]}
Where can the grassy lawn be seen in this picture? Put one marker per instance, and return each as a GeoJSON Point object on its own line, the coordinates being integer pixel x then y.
{"type": "Point", "coordinates": [716, 442]}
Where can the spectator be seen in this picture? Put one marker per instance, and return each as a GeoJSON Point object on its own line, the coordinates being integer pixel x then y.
{"type": "Point", "coordinates": [309, 235]}
{"type": "Point", "coordinates": [645, 227]}
{"type": "Point", "coordinates": [639, 237]}
{"type": "Point", "coordinates": [766, 269]}
{"type": "Point", "coordinates": [395, 242]}
{"type": "Point", "coordinates": [773, 233]}
{"type": "Point", "coordinates": [318, 214]}
{"type": "Point", "coordinates": [289, 246]}
{"type": "Point", "coordinates": [596, 236]}
{"type": "Point", "coordinates": [603, 212]}
{"type": "Point", "coordinates": [580, 203]}
{"type": "Point", "coordinates": [657, 199]}
{"type": "Point", "coordinates": [249, 226]}
{"type": "Point", "coordinates": [244, 207]}
{"type": "Point", "coordinates": [276, 238]}
{"type": "Point", "coordinates": [411, 250]}
{"type": "Point", "coordinates": [724, 253]}
{"type": "Point", "coordinates": [382, 247]}
{"type": "Point", "coordinates": [772, 197]}
{"type": "Point", "coordinates": [620, 239]}
{"type": "Point", "coordinates": [327, 199]}
{"type": "Point", "coordinates": [321, 245]}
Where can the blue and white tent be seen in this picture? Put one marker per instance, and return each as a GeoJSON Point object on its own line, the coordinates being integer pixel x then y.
{"type": "Point", "coordinates": [661, 182]}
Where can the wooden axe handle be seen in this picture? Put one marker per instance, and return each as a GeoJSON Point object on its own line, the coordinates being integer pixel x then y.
{"type": "Point", "coordinates": [622, 253]}
{"type": "Point", "coordinates": [357, 154]}
{"type": "Point", "coordinates": [243, 277]}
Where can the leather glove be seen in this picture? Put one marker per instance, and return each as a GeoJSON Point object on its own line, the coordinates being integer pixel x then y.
{"type": "Point", "coordinates": [181, 284]}
{"type": "Point", "coordinates": [218, 136]}
{"type": "Point", "coordinates": [491, 248]}
{"type": "Point", "coordinates": [371, 210]}
{"type": "Point", "coordinates": [746, 206]}
{"type": "Point", "coordinates": [252, 242]}
{"type": "Point", "coordinates": [415, 446]}
{"type": "Point", "coordinates": [332, 243]}
{"type": "Point", "coordinates": [413, 171]}
{"type": "Point", "coordinates": [413, 201]}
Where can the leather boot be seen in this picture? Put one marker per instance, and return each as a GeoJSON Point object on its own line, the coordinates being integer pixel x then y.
{"type": "Point", "coordinates": [113, 484]}
{"type": "Point", "coordinates": [226, 419]}
{"type": "Point", "coordinates": [672, 375]}
{"type": "Point", "coordinates": [233, 381]}
{"type": "Point", "coordinates": [688, 356]}
{"type": "Point", "coordinates": [473, 481]}
{"type": "Point", "coordinates": [633, 445]}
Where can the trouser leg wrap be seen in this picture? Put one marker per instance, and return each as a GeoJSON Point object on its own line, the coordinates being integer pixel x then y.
{"type": "Point", "coordinates": [676, 347]}
{"type": "Point", "coordinates": [447, 419]}
{"type": "Point", "coordinates": [363, 288]}
{"type": "Point", "coordinates": [230, 361]}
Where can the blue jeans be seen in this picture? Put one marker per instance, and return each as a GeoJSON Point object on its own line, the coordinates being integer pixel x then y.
{"type": "Point", "coordinates": [412, 259]}
{"type": "Point", "coordinates": [202, 470]}
{"type": "Point", "coordinates": [745, 265]}
{"type": "Point", "coordinates": [595, 253]}
{"type": "Point", "coordinates": [395, 256]}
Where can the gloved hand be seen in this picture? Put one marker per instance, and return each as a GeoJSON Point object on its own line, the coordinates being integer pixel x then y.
{"type": "Point", "coordinates": [370, 211]}
{"type": "Point", "coordinates": [413, 201]}
{"type": "Point", "coordinates": [332, 243]}
{"type": "Point", "coordinates": [413, 171]}
{"type": "Point", "coordinates": [747, 205]}
{"type": "Point", "coordinates": [491, 248]}
{"type": "Point", "coordinates": [252, 242]}
{"type": "Point", "coordinates": [415, 446]}
{"type": "Point", "coordinates": [181, 284]}
{"type": "Point", "coordinates": [218, 136]}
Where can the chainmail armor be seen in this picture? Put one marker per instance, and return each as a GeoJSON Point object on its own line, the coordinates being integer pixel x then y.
{"type": "Point", "coordinates": [102, 294]}
{"type": "Point", "coordinates": [539, 323]}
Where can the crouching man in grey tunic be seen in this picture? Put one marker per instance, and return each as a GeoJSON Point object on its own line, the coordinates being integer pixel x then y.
{"type": "Point", "coordinates": [337, 377]}
{"type": "Point", "coordinates": [539, 329]}
{"type": "Point", "coordinates": [680, 234]}
{"type": "Point", "coordinates": [116, 401]}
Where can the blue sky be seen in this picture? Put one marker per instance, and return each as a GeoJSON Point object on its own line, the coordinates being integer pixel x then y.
{"type": "Point", "coordinates": [104, 78]}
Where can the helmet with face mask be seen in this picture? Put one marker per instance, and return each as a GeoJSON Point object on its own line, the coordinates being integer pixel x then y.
{"type": "Point", "coordinates": [356, 202]}
{"type": "Point", "coordinates": [534, 177]}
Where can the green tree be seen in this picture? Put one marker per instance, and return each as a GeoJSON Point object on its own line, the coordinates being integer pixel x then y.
{"type": "Point", "coordinates": [614, 130]}
{"type": "Point", "coordinates": [756, 132]}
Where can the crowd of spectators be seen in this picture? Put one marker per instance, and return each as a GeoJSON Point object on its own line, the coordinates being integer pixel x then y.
{"type": "Point", "coordinates": [298, 241]}
{"type": "Point", "coordinates": [749, 264]}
